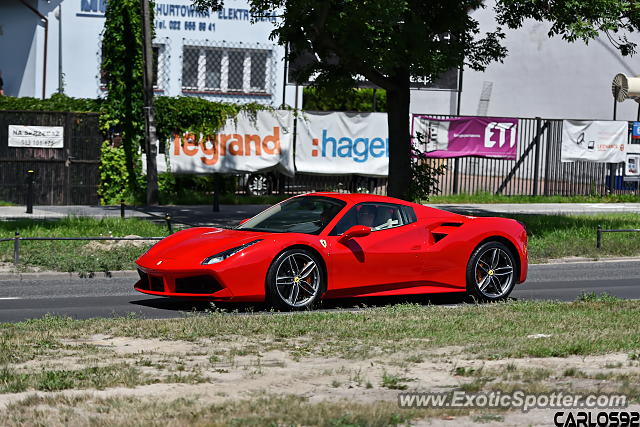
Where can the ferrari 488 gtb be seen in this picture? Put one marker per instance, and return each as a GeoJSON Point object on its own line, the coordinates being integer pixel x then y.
{"type": "Point", "coordinates": [330, 245]}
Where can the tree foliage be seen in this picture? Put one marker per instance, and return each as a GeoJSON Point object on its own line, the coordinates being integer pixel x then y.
{"type": "Point", "coordinates": [390, 41]}
{"type": "Point", "coordinates": [122, 74]}
{"type": "Point", "coordinates": [315, 99]}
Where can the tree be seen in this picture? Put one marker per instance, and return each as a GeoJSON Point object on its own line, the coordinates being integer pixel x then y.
{"type": "Point", "coordinates": [389, 41]}
{"type": "Point", "coordinates": [122, 74]}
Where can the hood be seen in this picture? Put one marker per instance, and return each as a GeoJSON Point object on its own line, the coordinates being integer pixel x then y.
{"type": "Point", "coordinates": [199, 243]}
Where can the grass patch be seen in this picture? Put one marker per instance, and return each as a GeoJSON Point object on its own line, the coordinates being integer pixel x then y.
{"type": "Point", "coordinates": [77, 256]}
{"type": "Point", "coordinates": [550, 236]}
{"type": "Point", "coordinates": [484, 197]}
{"type": "Point", "coordinates": [97, 377]}
{"type": "Point", "coordinates": [557, 236]}
{"type": "Point", "coordinates": [394, 382]}
{"type": "Point", "coordinates": [484, 331]}
{"type": "Point", "coordinates": [262, 410]}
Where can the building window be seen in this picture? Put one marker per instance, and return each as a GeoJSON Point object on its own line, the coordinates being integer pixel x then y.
{"type": "Point", "coordinates": [160, 74]}
{"type": "Point", "coordinates": [226, 70]}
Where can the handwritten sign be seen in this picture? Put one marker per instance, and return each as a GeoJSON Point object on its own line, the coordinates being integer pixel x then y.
{"type": "Point", "coordinates": [36, 136]}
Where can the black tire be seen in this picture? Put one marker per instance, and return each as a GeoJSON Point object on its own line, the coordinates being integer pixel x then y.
{"type": "Point", "coordinates": [295, 280]}
{"type": "Point", "coordinates": [259, 185]}
{"type": "Point", "coordinates": [492, 272]}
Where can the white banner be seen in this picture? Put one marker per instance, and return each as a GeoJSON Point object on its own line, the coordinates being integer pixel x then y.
{"type": "Point", "coordinates": [594, 141]}
{"type": "Point", "coordinates": [36, 136]}
{"type": "Point", "coordinates": [248, 143]}
{"type": "Point", "coordinates": [343, 143]}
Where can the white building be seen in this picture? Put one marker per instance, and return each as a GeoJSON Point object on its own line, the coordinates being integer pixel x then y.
{"type": "Point", "coordinates": [222, 56]}
{"type": "Point", "coordinates": [217, 55]}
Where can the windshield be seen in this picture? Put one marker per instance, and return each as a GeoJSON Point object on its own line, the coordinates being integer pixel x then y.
{"type": "Point", "coordinates": [307, 214]}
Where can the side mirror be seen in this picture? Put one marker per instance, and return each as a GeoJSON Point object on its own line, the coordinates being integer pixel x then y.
{"type": "Point", "coordinates": [356, 231]}
{"type": "Point", "coordinates": [244, 220]}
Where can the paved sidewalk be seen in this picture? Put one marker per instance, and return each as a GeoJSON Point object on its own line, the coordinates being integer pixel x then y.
{"type": "Point", "coordinates": [232, 214]}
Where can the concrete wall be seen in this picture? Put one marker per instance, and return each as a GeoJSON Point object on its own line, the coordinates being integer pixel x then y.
{"type": "Point", "coordinates": [540, 77]}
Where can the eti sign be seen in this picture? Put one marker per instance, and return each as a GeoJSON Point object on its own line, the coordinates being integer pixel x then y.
{"type": "Point", "coordinates": [498, 133]}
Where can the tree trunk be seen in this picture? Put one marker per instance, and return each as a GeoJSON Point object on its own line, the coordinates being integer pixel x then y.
{"type": "Point", "coordinates": [399, 139]}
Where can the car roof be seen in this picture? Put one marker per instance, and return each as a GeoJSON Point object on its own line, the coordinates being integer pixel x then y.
{"type": "Point", "coordinates": [360, 197]}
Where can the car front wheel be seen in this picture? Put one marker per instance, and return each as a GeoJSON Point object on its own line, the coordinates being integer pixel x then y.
{"type": "Point", "coordinates": [491, 272]}
{"type": "Point", "coordinates": [294, 280]}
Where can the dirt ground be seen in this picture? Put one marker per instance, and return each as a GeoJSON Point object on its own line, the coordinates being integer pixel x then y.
{"type": "Point", "coordinates": [215, 375]}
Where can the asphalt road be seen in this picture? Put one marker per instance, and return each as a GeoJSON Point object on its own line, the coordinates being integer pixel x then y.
{"type": "Point", "coordinates": [107, 297]}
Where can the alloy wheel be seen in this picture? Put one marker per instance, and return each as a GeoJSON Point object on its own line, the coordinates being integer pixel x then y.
{"type": "Point", "coordinates": [494, 273]}
{"type": "Point", "coordinates": [298, 279]}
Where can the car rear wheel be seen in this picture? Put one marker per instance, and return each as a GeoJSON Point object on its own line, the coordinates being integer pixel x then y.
{"type": "Point", "coordinates": [491, 272]}
{"type": "Point", "coordinates": [294, 280]}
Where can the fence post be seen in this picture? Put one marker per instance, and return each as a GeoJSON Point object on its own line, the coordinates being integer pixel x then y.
{"type": "Point", "coordinates": [122, 209]}
{"type": "Point", "coordinates": [456, 167]}
{"type": "Point", "coordinates": [612, 177]}
{"type": "Point", "coordinates": [30, 174]}
{"type": "Point", "coordinates": [216, 192]}
{"type": "Point", "coordinates": [547, 166]}
{"type": "Point", "coordinates": [167, 218]}
{"type": "Point", "coordinates": [536, 167]}
{"type": "Point", "coordinates": [16, 249]}
{"type": "Point", "coordinates": [599, 237]}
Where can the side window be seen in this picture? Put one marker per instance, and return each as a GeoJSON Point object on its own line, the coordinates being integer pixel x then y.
{"type": "Point", "coordinates": [409, 214]}
{"type": "Point", "coordinates": [377, 216]}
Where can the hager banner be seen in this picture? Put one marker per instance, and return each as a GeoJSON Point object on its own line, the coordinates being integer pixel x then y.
{"type": "Point", "coordinates": [342, 143]}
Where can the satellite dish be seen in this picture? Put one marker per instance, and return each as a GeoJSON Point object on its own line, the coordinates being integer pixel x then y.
{"type": "Point", "coordinates": [625, 87]}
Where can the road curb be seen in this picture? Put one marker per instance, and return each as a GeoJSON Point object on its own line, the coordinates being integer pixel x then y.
{"type": "Point", "coordinates": [55, 275]}
{"type": "Point", "coordinates": [132, 274]}
{"type": "Point", "coordinates": [582, 260]}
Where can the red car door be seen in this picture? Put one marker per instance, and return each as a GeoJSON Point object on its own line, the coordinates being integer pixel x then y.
{"type": "Point", "coordinates": [389, 258]}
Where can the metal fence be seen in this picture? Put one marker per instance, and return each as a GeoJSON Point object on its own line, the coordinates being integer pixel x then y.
{"type": "Point", "coordinates": [537, 169]}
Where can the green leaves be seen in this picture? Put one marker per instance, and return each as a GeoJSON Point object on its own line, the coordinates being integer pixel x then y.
{"type": "Point", "coordinates": [122, 74]}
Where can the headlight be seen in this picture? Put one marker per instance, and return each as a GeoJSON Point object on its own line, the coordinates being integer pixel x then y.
{"type": "Point", "coordinates": [214, 259]}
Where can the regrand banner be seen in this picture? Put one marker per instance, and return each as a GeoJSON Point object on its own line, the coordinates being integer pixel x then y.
{"type": "Point", "coordinates": [342, 143]}
{"type": "Point", "coordinates": [248, 143]}
{"type": "Point", "coordinates": [466, 136]}
{"type": "Point", "coordinates": [594, 141]}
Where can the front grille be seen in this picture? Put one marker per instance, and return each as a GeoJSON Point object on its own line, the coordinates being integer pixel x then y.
{"type": "Point", "coordinates": [157, 284]}
{"type": "Point", "coordinates": [144, 280]}
{"type": "Point", "coordinates": [197, 285]}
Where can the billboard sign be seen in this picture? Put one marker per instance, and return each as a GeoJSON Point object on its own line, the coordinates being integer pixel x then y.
{"type": "Point", "coordinates": [248, 143]}
{"type": "Point", "coordinates": [490, 137]}
{"type": "Point", "coordinates": [594, 141]}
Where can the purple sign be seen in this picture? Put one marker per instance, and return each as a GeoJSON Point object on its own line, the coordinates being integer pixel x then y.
{"type": "Point", "coordinates": [466, 136]}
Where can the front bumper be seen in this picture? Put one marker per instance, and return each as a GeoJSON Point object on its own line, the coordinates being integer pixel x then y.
{"type": "Point", "coordinates": [197, 284]}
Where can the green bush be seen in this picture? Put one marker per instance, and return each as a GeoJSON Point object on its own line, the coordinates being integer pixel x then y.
{"type": "Point", "coordinates": [343, 100]}
{"type": "Point", "coordinates": [57, 102]}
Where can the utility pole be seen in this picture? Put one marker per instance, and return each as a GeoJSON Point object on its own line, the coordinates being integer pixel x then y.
{"type": "Point", "coordinates": [150, 127]}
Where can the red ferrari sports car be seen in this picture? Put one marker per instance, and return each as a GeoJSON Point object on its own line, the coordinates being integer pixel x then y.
{"type": "Point", "coordinates": [330, 245]}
